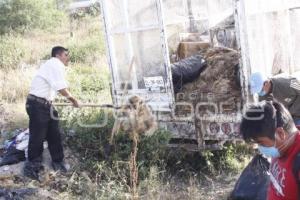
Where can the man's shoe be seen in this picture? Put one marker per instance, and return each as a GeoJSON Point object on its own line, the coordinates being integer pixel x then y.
{"type": "Point", "coordinates": [60, 166]}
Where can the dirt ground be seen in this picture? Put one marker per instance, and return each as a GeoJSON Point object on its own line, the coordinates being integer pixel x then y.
{"type": "Point", "coordinates": [15, 186]}
{"type": "Point", "coordinates": [57, 186]}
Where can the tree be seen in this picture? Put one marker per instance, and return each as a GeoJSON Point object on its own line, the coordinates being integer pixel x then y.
{"type": "Point", "coordinates": [22, 15]}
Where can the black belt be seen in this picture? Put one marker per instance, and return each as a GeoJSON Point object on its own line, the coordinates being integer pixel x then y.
{"type": "Point", "coordinates": [39, 99]}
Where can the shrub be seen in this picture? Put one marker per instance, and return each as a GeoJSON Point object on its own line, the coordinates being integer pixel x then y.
{"type": "Point", "coordinates": [92, 11]}
{"type": "Point", "coordinates": [12, 51]}
{"type": "Point", "coordinates": [89, 84]}
{"type": "Point", "coordinates": [233, 157]}
{"type": "Point", "coordinates": [152, 151]}
{"type": "Point", "coordinates": [91, 142]}
{"type": "Point", "coordinates": [87, 140]}
{"type": "Point", "coordinates": [87, 50]}
{"type": "Point", "coordinates": [22, 15]}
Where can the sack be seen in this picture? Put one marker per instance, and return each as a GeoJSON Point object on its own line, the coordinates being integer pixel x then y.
{"type": "Point", "coordinates": [253, 182]}
{"type": "Point", "coordinates": [12, 156]}
{"type": "Point", "coordinates": [186, 70]}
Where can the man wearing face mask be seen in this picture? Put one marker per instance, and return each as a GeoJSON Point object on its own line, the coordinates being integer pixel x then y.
{"type": "Point", "coordinates": [271, 126]}
{"type": "Point", "coordinates": [285, 89]}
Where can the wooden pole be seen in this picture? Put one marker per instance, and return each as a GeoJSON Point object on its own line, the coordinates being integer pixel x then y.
{"type": "Point", "coordinates": [133, 166]}
{"type": "Point", "coordinates": [87, 105]}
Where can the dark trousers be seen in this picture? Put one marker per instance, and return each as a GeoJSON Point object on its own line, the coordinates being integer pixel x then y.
{"type": "Point", "coordinates": [43, 125]}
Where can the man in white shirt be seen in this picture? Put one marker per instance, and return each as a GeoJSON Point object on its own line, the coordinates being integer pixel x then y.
{"type": "Point", "coordinates": [43, 118]}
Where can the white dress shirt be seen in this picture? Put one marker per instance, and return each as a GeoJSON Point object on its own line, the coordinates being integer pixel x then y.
{"type": "Point", "coordinates": [49, 78]}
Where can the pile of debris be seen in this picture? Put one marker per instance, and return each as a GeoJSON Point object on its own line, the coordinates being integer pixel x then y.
{"type": "Point", "coordinates": [51, 185]}
{"type": "Point", "coordinates": [217, 83]}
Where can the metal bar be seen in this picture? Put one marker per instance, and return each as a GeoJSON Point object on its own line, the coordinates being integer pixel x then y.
{"type": "Point", "coordinates": [268, 9]}
{"type": "Point", "coordinates": [109, 47]}
{"type": "Point", "coordinates": [242, 40]}
{"type": "Point", "coordinates": [290, 34]}
{"type": "Point", "coordinates": [294, 8]}
{"type": "Point", "coordinates": [145, 28]}
{"type": "Point", "coordinates": [164, 43]}
{"type": "Point", "coordinates": [131, 30]}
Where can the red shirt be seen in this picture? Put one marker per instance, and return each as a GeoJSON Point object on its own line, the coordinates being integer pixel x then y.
{"type": "Point", "coordinates": [283, 185]}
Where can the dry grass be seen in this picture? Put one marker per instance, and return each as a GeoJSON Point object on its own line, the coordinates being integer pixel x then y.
{"type": "Point", "coordinates": [196, 188]}
{"type": "Point", "coordinates": [15, 84]}
{"type": "Point", "coordinates": [15, 117]}
{"type": "Point", "coordinates": [112, 183]}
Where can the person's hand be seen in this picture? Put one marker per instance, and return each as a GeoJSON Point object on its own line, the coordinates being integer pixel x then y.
{"type": "Point", "coordinates": [74, 102]}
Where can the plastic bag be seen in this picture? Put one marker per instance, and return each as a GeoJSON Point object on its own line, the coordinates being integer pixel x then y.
{"type": "Point", "coordinates": [186, 70]}
{"type": "Point", "coordinates": [12, 156]}
{"type": "Point", "coordinates": [22, 140]}
{"type": "Point", "coordinates": [253, 182]}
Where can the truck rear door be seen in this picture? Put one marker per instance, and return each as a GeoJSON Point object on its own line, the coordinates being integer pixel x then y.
{"type": "Point", "coordinates": [269, 35]}
{"type": "Point", "coordinates": [135, 34]}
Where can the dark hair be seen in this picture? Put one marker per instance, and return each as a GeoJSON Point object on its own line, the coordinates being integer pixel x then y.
{"type": "Point", "coordinates": [57, 50]}
{"type": "Point", "coordinates": [262, 119]}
